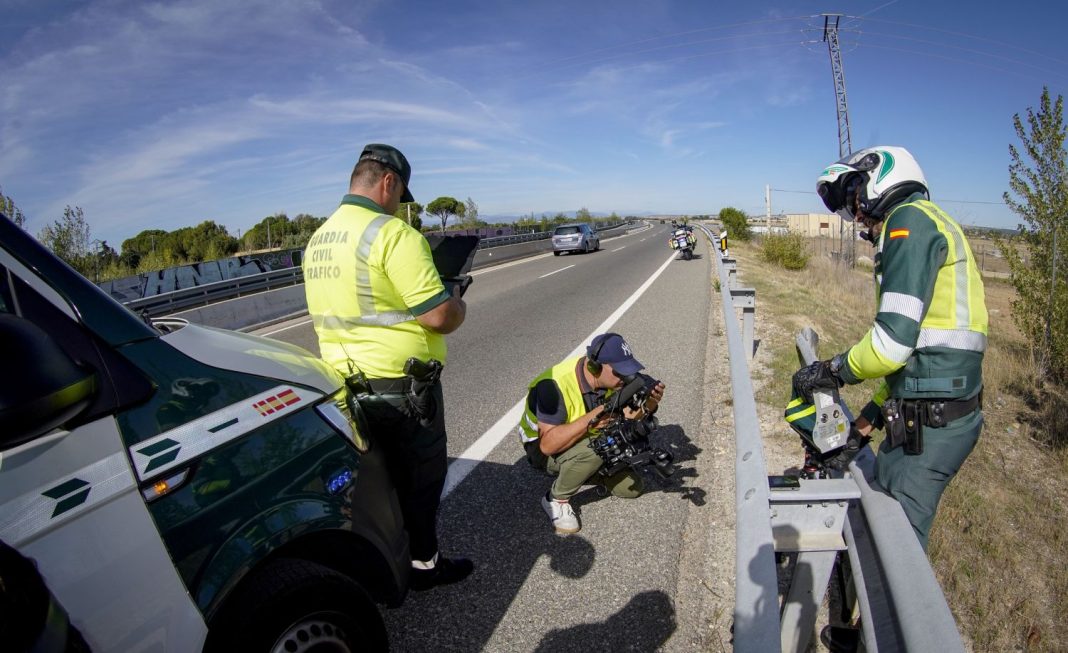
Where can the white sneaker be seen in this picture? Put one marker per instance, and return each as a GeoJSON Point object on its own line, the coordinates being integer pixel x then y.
{"type": "Point", "coordinates": [561, 514]}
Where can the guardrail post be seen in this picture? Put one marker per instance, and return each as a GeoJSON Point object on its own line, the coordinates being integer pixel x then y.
{"type": "Point", "coordinates": [745, 299]}
{"type": "Point", "coordinates": [731, 265]}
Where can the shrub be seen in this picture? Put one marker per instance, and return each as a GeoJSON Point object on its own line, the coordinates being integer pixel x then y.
{"type": "Point", "coordinates": [789, 251]}
{"type": "Point", "coordinates": [736, 223]}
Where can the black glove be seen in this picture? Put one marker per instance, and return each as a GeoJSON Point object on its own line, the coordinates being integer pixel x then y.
{"type": "Point", "coordinates": [840, 458]}
{"type": "Point", "coordinates": [817, 376]}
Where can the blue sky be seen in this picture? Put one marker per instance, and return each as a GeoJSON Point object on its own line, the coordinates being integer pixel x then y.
{"type": "Point", "coordinates": [162, 115]}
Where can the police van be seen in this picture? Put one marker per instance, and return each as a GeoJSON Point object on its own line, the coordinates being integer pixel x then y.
{"type": "Point", "coordinates": [180, 487]}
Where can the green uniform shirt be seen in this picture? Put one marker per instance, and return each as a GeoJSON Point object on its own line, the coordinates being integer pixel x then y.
{"type": "Point", "coordinates": [367, 275]}
{"type": "Point", "coordinates": [930, 331]}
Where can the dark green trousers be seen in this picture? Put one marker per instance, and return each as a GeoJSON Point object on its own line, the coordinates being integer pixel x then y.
{"type": "Point", "coordinates": [578, 466]}
{"type": "Point", "coordinates": [917, 482]}
{"type": "Point", "coordinates": [417, 458]}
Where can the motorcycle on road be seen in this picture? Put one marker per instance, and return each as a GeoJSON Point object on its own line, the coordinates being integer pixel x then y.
{"type": "Point", "coordinates": [683, 240]}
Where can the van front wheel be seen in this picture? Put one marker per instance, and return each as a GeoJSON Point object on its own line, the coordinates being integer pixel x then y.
{"type": "Point", "coordinates": [296, 605]}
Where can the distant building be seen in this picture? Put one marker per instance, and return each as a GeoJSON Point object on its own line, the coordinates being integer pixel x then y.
{"type": "Point", "coordinates": [814, 225]}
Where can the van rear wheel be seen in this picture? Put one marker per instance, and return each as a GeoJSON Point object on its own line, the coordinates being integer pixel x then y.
{"type": "Point", "coordinates": [294, 606]}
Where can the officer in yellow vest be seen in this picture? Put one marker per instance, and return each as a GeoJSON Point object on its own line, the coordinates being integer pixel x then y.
{"type": "Point", "coordinates": [929, 335]}
{"type": "Point", "coordinates": [381, 313]}
{"type": "Point", "coordinates": [563, 407]}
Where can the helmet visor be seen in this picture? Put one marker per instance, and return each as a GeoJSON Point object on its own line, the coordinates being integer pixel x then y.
{"type": "Point", "coordinates": [832, 195]}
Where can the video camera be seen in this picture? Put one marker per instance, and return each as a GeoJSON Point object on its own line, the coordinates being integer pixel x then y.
{"type": "Point", "coordinates": [624, 442]}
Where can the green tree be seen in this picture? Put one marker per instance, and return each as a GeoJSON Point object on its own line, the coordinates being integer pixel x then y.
{"type": "Point", "coordinates": [135, 249]}
{"type": "Point", "coordinates": [471, 219]}
{"type": "Point", "coordinates": [1038, 179]}
{"type": "Point", "coordinates": [444, 208]}
{"type": "Point", "coordinates": [8, 208]}
{"type": "Point", "coordinates": [69, 238]}
{"type": "Point", "coordinates": [736, 223]}
{"type": "Point", "coordinates": [410, 212]}
{"type": "Point", "coordinates": [271, 232]}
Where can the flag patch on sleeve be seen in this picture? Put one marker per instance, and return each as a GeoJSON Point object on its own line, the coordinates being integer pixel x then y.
{"type": "Point", "coordinates": [899, 233]}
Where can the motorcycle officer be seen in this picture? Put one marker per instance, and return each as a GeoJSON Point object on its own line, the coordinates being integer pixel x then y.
{"type": "Point", "coordinates": [928, 337]}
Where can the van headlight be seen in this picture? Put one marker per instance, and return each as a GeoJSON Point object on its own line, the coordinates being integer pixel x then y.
{"type": "Point", "coordinates": [343, 413]}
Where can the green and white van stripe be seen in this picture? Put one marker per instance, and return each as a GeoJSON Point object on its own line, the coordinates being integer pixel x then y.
{"type": "Point", "coordinates": [179, 445]}
{"type": "Point", "coordinates": [62, 499]}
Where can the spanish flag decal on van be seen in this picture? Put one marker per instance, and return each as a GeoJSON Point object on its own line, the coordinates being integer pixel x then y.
{"type": "Point", "coordinates": [276, 402]}
{"type": "Point", "coordinates": [184, 443]}
{"type": "Point", "coordinates": [899, 233]}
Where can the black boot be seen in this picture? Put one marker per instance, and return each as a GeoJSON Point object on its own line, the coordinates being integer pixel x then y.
{"type": "Point", "coordinates": [444, 572]}
{"type": "Point", "coordinates": [840, 639]}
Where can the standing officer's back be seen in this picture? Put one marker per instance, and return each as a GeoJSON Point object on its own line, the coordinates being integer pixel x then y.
{"type": "Point", "coordinates": [381, 313]}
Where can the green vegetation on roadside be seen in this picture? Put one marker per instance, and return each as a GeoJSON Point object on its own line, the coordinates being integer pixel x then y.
{"type": "Point", "coordinates": [786, 250]}
{"type": "Point", "coordinates": [736, 223]}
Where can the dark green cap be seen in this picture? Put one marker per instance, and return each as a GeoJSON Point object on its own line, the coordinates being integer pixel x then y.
{"type": "Point", "coordinates": [392, 158]}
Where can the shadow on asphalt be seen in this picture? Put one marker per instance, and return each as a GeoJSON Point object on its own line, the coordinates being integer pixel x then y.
{"type": "Point", "coordinates": [495, 518]}
{"type": "Point", "coordinates": [644, 624]}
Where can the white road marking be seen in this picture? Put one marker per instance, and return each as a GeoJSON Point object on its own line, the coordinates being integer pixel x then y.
{"type": "Point", "coordinates": [477, 452]}
{"type": "Point", "coordinates": [286, 328]}
{"type": "Point", "coordinates": [555, 271]}
{"type": "Point", "coordinates": [623, 247]}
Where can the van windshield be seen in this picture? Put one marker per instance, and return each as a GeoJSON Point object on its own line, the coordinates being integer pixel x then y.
{"type": "Point", "coordinates": [563, 231]}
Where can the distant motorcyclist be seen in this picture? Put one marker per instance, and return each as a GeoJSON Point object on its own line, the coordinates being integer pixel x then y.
{"type": "Point", "coordinates": [682, 239]}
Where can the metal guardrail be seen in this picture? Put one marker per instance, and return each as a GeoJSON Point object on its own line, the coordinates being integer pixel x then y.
{"type": "Point", "coordinates": [497, 241]}
{"type": "Point", "coordinates": [178, 300]}
{"type": "Point", "coordinates": [902, 607]}
{"type": "Point", "coordinates": [167, 303]}
{"type": "Point", "coordinates": [756, 604]}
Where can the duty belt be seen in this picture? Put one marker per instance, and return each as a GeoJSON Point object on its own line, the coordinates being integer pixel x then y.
{"type": "Point", "coordinates": [390, 386]}
{"type": "Point", "coordinates": [937, 414]}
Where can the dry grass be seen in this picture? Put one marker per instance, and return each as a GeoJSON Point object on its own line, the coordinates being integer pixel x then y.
{"type": "Point", "coordinates": [1003, 522]}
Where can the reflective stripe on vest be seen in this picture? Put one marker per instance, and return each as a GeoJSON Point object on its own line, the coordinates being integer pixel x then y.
{"type": "Point", "coordinates": [956, 317]}
{"type": "Point", "coordinates": [564, 373]}
{"type": "Point", "coordinates": [365, 295]}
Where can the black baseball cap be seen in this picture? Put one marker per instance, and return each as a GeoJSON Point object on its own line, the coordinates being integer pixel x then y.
{"type": "Point", "coordinates": [392, 158]}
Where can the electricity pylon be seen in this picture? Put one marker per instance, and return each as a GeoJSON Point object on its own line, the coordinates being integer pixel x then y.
{"type": "Point", "coordinates": [845, 139]}
{"type": "Point", "coordinates": [830, 36]}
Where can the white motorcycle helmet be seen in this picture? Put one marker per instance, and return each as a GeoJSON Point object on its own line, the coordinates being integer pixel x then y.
{"type": "Point", "coordinates": [881, 177]}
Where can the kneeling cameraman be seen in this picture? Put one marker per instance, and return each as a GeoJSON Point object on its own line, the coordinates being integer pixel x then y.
{"type": "Point", "coordinates": [564, 409]}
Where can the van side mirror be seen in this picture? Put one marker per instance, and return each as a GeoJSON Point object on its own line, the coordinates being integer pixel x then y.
{"type": "Point", "coordinates": [42, 387]}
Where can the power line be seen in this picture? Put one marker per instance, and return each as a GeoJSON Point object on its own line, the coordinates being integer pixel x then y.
{"type": "Point", "coordinates": [623, 55]}
{"type": "Point", "coordinates": [811, 192]}
{"type": "Point", "coordinates": [945, 58]}
{"type": "Point", "coordinates": [667, 36]}
{"type": "Point", "coordinates": [965, 35]}
{"type": "Point", "coordinates": [709, 54]}
{"type": "Point", "coordinates": [961, 48]}
{"type": "Point", "coordinates": [970, 202]}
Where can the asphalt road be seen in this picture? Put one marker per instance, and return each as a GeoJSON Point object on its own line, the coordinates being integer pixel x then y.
{"type": "Point", "coordinates": [616, 585]}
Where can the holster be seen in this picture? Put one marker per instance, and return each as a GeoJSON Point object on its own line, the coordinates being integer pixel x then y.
{"type": "Point", "coordinates": [904, 424]}
{"type": "Point", "coordinates": [420, 392]}
{"type": "Point", "coordinates": [894, 423]}
{"type": "Point", "coordinates": [913, 419]}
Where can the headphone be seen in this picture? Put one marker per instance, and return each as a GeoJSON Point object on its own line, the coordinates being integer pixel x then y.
{"type": "Point", "coordinates": [592, 364]}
